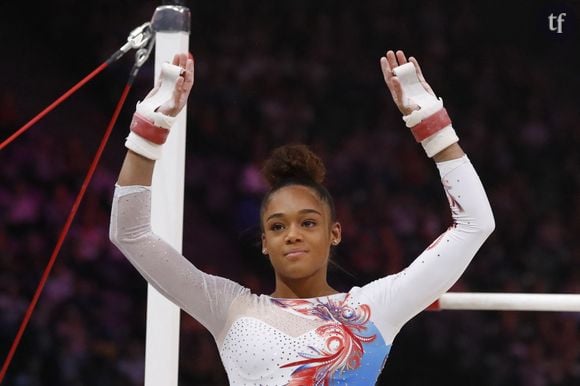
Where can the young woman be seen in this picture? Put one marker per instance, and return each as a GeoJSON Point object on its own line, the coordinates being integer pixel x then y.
{"type": "Point", "coordinates": [305, 332]}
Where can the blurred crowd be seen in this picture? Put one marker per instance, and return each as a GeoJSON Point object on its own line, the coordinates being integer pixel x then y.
{"type": "Point", "coordinates": [269, 73]}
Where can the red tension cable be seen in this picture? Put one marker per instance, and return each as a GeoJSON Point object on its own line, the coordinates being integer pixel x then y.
{"type": "Point", "coordinates": [54, 104]}
{"type": "Point", "coordinates": [68, 222]}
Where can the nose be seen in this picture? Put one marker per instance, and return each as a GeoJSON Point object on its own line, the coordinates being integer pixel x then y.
{"type": "Point", "coordinates": [293, 235]}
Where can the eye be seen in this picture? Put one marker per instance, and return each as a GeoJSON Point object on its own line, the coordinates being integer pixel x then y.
{"type": "Point", "coordinates": [309, 223]}
{"type": "Point", "coordinates": [276, 227]}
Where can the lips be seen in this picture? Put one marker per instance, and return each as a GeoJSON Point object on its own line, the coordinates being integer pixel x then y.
{"type": "Point", "coordinates": [295, 253]}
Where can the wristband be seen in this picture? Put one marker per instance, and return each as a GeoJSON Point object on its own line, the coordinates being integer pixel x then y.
{"type": "Point", "coordinates": [430, 125]}
{"type": "Point", "coordinates": [149, 128]}
{"type": "Point", "coordinates": [439, 141]}
{"type": "Point", "coordinates": [146, 129]}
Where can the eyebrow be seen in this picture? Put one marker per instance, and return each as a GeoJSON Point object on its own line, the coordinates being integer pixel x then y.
{"type": "Point", "coordinates": [302, 211]}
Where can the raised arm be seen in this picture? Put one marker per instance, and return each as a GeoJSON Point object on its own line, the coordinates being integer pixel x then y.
{"type": "Point", "coordinates": [206, 297]}
{"type": "Point", "coordinates": [407, 293]}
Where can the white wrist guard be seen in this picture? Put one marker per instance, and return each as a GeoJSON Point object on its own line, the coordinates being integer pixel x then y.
{"type": "Point", "coordinates": [149, 128]}
{"type": "Point", "coordinates": [430, 124]}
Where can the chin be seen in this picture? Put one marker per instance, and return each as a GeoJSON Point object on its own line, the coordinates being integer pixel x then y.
{"type": "Point", "coordinates": [295, 269]}
{"type": "Point", "coordinates": [297, 272]}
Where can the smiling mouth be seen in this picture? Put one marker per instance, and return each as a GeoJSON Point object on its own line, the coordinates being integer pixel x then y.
{"type": "Point", "coordinates": [295, 254]}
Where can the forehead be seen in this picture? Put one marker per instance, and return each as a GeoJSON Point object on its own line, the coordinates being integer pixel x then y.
{"type": "Point", "coordinates": [292, 199]}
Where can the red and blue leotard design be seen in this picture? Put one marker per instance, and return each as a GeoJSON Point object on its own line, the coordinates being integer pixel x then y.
{"type": "Point", "coordinates": [349, 336]}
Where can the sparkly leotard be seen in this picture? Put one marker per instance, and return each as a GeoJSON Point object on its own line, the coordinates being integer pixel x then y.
{"type": "Point", "coordinates": [341, 339]}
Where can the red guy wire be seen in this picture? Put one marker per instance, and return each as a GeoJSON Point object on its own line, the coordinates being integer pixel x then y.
{"type": "Point", "coordinates": [54, 104]}
{"type": "Point", "coordinates": [67, 224]}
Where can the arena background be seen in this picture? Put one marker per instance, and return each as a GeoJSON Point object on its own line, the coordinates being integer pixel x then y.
{"type": "Point", "coordinates": [272, 72]}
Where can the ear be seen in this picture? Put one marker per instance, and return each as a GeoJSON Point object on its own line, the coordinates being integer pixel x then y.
{"type": "Point", "coordinates": [335, 234]}
{"type": "Point", "coordinates": [264, 244]}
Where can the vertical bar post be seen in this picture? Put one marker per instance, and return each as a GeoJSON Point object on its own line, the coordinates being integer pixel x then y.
{"type": "Point", "coordinates": [171, 24]}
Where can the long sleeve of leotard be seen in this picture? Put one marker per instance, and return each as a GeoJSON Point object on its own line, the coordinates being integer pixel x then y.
{"type": "Point", "coordinates": [205, 297]}
{"type": "Point", "coordinates": [397, 298]}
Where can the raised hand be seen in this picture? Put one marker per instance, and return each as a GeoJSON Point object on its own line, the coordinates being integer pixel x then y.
{"type": "Point", "coordinates": [388, 63]}
{"type": "Point", "coordinates": [155, 115]}
{"type": "Point", "coordinates": [183, 86]}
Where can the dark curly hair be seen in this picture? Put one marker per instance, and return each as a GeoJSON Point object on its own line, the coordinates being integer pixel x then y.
{"type": "Point", "coordinates": [296, 164]}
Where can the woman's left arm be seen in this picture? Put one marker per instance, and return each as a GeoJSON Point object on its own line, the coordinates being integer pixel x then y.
{"type": "Point", "coordinates": [402, 296]}
{"type": "Point", "coordinates": [434, 271]}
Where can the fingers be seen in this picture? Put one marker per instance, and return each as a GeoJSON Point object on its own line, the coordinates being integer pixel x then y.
{"type": "Point", "coordinates": [387, 70]}
{"type": "Point", "coordinates": [180, 60]}
{"type": "Point", "coordinates": [389, 76]}
{"type": "Point", "coordinates": [185, 81]}
{"type": "Point", "coordinates": [420, 75]}
{"type": "Point", "coordinates": [396, 88]}
{"type": "Point", "coordinates": [389, 62]}
{"type": "Point", "coordinates": [185, 61]}
{"type": "Point", "coordinates": [391, 59]}
{"type": "Point", "coordinates": [179, 85]}
{"type": "Point", "coordinates": [183, 85]}
{"type": "Point", "coordinates": [188, 75]}
{"type": "Point", "coordinates": [404, 107]}
{"type": "Point", "coordinates": [417, 67]}
{"type": "Point", "coordinates": [401, 57]}
{"type": "Point", "coordinates": [396, 59]}
{"type": "Point", "coordinates": [179, 94]}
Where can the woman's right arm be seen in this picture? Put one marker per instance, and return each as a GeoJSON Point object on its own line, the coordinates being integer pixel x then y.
{"type": "Point", "coordinates": [205, 297]}
{"type": "Point", "coordinates": [136, 170]}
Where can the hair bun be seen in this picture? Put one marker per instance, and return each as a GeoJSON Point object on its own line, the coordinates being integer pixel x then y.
{"type": "Point", "coordinates": [291, 162]}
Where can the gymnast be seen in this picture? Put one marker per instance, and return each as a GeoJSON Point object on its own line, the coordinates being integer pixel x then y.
{"type": "Point", "coordinates": [305, 332]}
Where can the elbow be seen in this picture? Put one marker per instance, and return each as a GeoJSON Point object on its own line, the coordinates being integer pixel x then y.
{"type": "Point", "coordinates": [124, 236]}
{"type": "Point", "coordinates": [487, 226]}
{"type": "Point", "coordinates": [482, 225]}
{"type": "Point", "coordinates": [114, 235]}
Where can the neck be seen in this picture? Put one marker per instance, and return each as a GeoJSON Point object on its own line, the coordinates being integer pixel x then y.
{"type": "Point", "coordinates": [302, 288]}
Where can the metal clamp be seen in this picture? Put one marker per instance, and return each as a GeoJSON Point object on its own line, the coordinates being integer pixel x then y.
{"type": "Point", "coordinates": [143, 53]}
{"type": "Point", "coordinates": [139, 37]}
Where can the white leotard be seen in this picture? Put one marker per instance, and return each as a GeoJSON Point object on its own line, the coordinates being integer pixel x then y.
{"type": "Point", "coordinates": [342, 339]}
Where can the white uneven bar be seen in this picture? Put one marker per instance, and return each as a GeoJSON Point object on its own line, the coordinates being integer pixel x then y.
{"type": "Point", "coordinates": [163, 317]}
{"type": "Point", "coordinates": [509, 301]}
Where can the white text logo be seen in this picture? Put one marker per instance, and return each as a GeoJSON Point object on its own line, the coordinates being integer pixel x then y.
{"type": "Point", "coordinates": [559, 21]}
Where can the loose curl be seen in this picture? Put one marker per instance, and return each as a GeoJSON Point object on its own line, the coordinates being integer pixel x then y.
{"type": "Point", "coordinates": [296, 164]}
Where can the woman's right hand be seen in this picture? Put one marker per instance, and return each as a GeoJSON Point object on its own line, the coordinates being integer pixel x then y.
{"type": "Point", "coordinates": [183, 86]}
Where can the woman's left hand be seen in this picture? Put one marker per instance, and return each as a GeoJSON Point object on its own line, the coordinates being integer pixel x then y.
{"type": "Point", "coordinates": [388, 63]}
